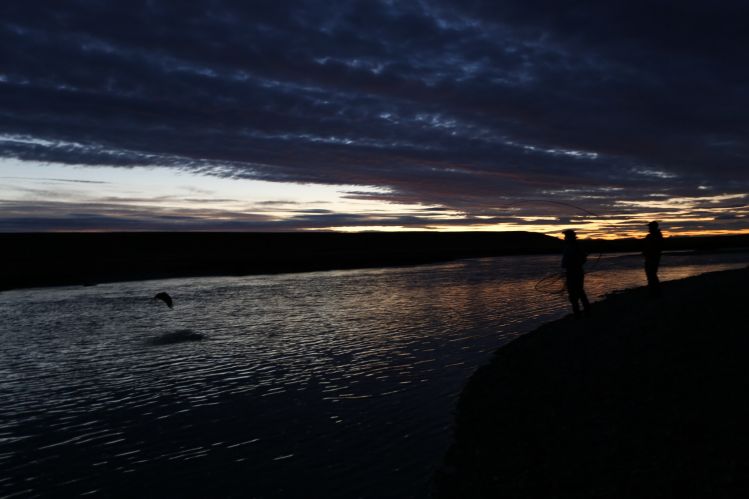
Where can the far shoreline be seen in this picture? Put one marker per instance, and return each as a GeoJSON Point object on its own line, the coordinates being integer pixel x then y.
{"type": "Point", "coordinates": [38, 260]}
{"type": "Point", "coordinates": [271, 272]}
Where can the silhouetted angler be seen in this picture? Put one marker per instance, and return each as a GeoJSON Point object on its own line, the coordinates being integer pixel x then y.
{"type": "Point", "coordinates": [573, 260]}
{"type": "Point", "coordinates": [652, 247]}
{"type": "Point", "coordinates": [165, 298]}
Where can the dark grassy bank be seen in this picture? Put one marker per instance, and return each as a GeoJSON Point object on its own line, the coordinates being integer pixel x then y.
{"type": "Point", "coordinates": [50, 259]}
{"type": "Point", "coordinates": [646, 398]}
{"type": "Point", "coordinates": [89, 258]}
{"type": "Point", "coordinates": [676, 243]}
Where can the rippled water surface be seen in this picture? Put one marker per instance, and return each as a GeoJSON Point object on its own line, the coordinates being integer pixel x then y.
{"type": "Point", "coordinates": [326, 384]}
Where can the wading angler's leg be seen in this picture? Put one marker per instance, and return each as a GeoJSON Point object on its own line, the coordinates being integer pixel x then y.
{"type": "Point", "coordinates": [573, 290]}
{"type": "Point", "coordinates": [583, 296]}
{"type": "Point", "coordinates": [654, 284]}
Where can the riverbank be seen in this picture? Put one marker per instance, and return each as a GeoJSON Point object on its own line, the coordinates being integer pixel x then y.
{"type": "Point", "coordinates": [70, 259]}
{"type": "Point", "coordinates": [645, 398]}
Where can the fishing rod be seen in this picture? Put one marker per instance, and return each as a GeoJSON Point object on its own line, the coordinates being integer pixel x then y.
{"type": "Point", "coordinates": [556, 283]}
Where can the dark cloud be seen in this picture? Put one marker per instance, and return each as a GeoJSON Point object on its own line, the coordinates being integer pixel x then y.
{"type": "Point", "coordinates": [64, 180]}
{"type": "Point", "coordinates": [471, 105]}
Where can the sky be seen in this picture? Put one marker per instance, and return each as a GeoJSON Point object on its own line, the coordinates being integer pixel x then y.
{"type": "Point", "coordinates": [374, 115]}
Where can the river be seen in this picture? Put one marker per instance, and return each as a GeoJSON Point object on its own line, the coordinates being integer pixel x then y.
{"type": "Point", "coordinates": [338, 384]}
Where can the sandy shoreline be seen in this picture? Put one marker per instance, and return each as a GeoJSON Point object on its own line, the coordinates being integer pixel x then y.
{"type": "Point", "coordinates": [646, 398]}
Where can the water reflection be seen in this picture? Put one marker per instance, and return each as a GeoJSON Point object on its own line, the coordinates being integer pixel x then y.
{"type": "Point", "coordinates": [341, 383]}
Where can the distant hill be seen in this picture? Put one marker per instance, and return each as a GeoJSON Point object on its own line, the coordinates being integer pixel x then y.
{"type": "Point", "coordinates": [676, 243]}
{"type": "Point", "coordinates": [49, 259]}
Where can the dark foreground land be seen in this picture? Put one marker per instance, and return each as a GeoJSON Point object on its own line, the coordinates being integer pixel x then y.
{"type": "Point", "coordinates": [54, 259]}
{"type": "Point", "coordinates": [646, 398]}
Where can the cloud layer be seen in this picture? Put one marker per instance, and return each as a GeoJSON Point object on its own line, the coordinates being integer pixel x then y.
{"type": "Point", "coordinates": [471, 106]}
